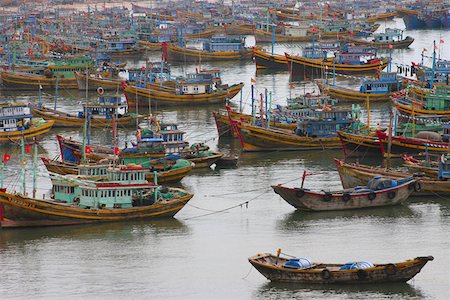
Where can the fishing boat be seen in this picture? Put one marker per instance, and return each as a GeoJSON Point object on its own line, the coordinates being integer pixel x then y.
{"type": "Point", "coordinates": [196, 90]}
{"type": "Point", "coordinates": [59, 74]}
{"type": "Point", "coordinates": [376, 193]}
{"type": "Point", "coordinates": [123, 195]}
{"type": "Point", "coordinates": [316, 129]}
{"type": "Point", "coordinates": [302, 270]}
{"type": "Point", "coordinates": [390, 39]}
{"type": "Point", "coordinates": [435, 103]}
{"type": "Point", "coordinates": [149, 153]}
{"type": "Point", "coordinates": [346, 62]}
{"type": "Point", "coordinates": [354, 174]}
{"type": "Point", "coordinates": [16, 121]}
{"type": "Point", "coordinates": [109, 109]}
{"type": "Point", "coordinates": [376, 143]}
{"type": "Point", "coordinates": [219, 48]}
{"type": "Point", "coordinates": [371, 89]}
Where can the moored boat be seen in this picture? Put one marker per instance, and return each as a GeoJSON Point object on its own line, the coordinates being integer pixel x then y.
{"type": "Point", "coordinates": [378, 192]}
{"type": "Point", "coordinates": [16, 122]}
{"type": "Point", "coordinates": [301, 270]}
{"type": "Point", "coordinates": [122, 195]}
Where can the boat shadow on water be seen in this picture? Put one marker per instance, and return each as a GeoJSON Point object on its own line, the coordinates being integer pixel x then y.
{"type": "Point", "coordinates": [276, 290]}
{"type": "Point", "coordinates": [302, 219]}
{"type": "Point", "coordinates": [105, 231]}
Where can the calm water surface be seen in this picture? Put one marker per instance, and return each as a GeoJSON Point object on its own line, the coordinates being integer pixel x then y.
{"type": "Point", "coordinates": [199, 255]}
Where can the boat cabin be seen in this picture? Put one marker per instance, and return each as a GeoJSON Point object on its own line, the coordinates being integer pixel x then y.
{"type": "Point", "coordinates": [107, 107]}
{"type": "Point", "coordinates": [444, 167]}
{"type": "Point", "coordinates": [14, 117]}
{"type": "Point", "coordinates": [324, 123]}
{"type": "Point", "coordinates": [387, 83]}
{"type": "Point", "coordinates": [173, 138]}
{"type": "Point", "coordinates": [121, 45]}
{"type": "Point", "coordinates": [389, 36]}
{"type": "Point", "coordinates": [223, 43]}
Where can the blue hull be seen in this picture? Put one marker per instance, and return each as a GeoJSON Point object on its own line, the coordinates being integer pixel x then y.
{"type": "Point", "coordinates": [445, 20]}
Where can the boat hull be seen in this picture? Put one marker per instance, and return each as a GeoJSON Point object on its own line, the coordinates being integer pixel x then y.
{"type": "Point", "coordinates": [194, 55]}
{"type": "Point", "coordinates": [32, 132]}
{"type": "Point", "coordinates": [351, 95]}
{"type": "Point", "coordinates": [264, 60]}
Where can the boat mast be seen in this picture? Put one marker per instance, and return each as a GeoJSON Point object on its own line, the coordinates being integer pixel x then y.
{"type": "Point", "coordinates": [35, 167]}
{"type": "Point", "coordinates": [434, 65]}
{"type": "Point", "coordinates": [22, 156]}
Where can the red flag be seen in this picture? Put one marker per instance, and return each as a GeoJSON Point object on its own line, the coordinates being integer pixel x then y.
{"type": "Point", "coordinates": [87, 150]}
{"type": "Point", "coordinates": [116, 151]}
{"type": "Point", "coordinates": [435, 47]}
{"type": "Point", "coordinates": [27, 148]}
{"type": "Point", "coordinates": [390, 46]}
{"type": "Point", "coordinates": [441, 41]}
{"type": "Point", "coordinates": [6, 157]}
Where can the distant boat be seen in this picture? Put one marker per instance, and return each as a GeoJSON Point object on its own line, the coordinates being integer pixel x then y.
{"type": "Point", "coordinates": [302, 270]}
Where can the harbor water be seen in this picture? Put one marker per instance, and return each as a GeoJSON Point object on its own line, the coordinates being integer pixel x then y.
{"type": "Point", "coordinates": [202, 253]}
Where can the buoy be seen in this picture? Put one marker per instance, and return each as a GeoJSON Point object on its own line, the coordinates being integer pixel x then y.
{"type": "Point", "coordinates": [100, 90]}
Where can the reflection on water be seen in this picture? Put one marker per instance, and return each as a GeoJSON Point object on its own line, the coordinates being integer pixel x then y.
{"type": "Point", "coordinates": [272, 290]}
{"type": "Point", "coordinates": [103, 231]}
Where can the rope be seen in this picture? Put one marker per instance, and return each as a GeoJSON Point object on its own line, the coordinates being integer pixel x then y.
{"type": "Point", "coordinates": [249, 271]}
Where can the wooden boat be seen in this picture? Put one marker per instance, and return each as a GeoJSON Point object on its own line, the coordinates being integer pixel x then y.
{"type": "Point", "coordinates": [300, 35]}
{"type": "Point", "coordinates": [105, 113]}
{"type": "Point", "coordinates": [376, 89]}
{"type": "Point", "coordinates": [151, 46]}
{"type": "Point", "coordinates": [353, 174]}
{"type": "Point", "coordinates": [59, 74]}
{"type": "Point", "coordinates": [377, 144]}
{"type": "Point", "coordinates": [433, 103]}
{"type": "Point", "coordinates": [390, 39]}
{"type": "Point", "coordinates": [382, 16]}
{"type": "Point", "coordinates": [276, 268]}
{"type": "Point", "coordinates": [153, 157]}
{"type": "Point", "coordinates": [378, 192]}
{"type": "Point", "coordinates": [315, 130]}
{"type": "Point", "coordinates": [169, 96]}
{"type": "Point", "coordinates": [17, 122]}
{"type": "Point", "coordinates": [314, 67]}
{"type": "Point", "coordinates": [194, 55]}
{"type": "Point", "coordinates": [79, 200]}
{"type": "Point", "coordinates": [29, 81]}
{"type": "Point", "coordinates": [264, 60]}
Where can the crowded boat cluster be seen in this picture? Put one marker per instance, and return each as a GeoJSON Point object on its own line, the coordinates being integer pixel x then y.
{"type": "Point", "coordinates": [51, 49]}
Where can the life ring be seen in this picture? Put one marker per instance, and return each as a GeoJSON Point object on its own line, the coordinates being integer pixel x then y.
{"type": "Point", "coordinates": [372, 196]}
{"type": "Point", "coordinates": [362, 274]}
{"type": "Point", "coordinates": [346, 197]}
{"type": "Point", "coordinates": [391, 194]}
{"type": "Point", "coordinates": [100, 90]}
{"type": "Point", "coordinates": [300, 193]}
{"type": "Point", "coordinates": [326, 274]}
{"type": "Point", "coordinates": [390, 269]}
{"type": "Point", "coordinates": [327, 197]}
{"type": "Point", "coordinates": [417, 186]}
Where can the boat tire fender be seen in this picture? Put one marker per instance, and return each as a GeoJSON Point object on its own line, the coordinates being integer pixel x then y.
{"type": "Point", "coordinates": [362, 274]}
{"type": "Point", "coordinates": [391, 194]}
{"type": "Point", "coordinates": [390, 269]}
{"type": "Point", "coordinates": [100, 90]}
{"type": "Point", "coordinates": [346, 197]}
{"type": "Point", "coordinates": [326, 274]}
{"type": "Point", "coordinates": [300, 193]}
{"type": "Point", "coordinates": [372, 196]}
{"type": "Point", "coordinates": [417, 186]}
{"type": "Point", "coordinates": [327, 197]}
